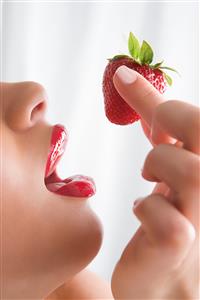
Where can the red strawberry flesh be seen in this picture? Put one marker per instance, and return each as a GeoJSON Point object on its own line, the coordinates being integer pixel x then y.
{"type": "Point", "coordinates": [117, 110]}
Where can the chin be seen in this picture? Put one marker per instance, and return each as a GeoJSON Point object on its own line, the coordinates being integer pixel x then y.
{"type": "Point", "coordinates": [92, 239]}
{"type": "Point", "coordinates": [88, 234]}
{"type": "Point", "coordinates": [74, 238]}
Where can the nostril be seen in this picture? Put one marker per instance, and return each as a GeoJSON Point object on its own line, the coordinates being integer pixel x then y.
{"type": "Point", "coordinates": [37, 112]}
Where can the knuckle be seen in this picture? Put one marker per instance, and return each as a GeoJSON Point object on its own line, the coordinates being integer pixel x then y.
{"type": "Point", "coordinates": [140, 208]}
{"type": "Point", "coordinates": [190, 173]}
{"type": "Point", "coordinates": [194, 116]}
{"type": "Point", "coordinates": [194, 127]}
{"type": "Point", "coordinates": [160, 148]}
{"type": "Point", "coordinates": [150, 156]}
{"type": "Point", "coordinates": [144, 206]}
{"type": "Point", "coordinates": [176, 243]}
{"type": "Point", "coordinates": [160, 109]}
{"type": "Point", "coordinates": [179, 235]}
{"type": "Point", "coordinates": [153, 155]}
{"type": "Point", "coordinates": [196, 120]}
{"type": "Point", "coordinates": [148, 91]}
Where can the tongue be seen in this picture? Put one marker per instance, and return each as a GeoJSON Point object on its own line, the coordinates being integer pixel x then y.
{"type": "Point", "coordinates": [75, 186]}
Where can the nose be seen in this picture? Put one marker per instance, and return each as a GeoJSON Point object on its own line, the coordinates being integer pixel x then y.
{"type": "Point", "coordinates": [25, 104]}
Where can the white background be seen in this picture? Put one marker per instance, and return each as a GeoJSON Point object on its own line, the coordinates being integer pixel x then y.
{"type": "Point", "coordinates": [64, 46]}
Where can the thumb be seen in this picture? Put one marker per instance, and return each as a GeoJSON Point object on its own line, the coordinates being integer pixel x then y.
{"type": "Point", "coordinates": [137, 92]}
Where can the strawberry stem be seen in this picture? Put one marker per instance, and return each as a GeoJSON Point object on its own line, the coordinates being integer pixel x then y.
{"type": "Point", "coordinates": [143, 56]}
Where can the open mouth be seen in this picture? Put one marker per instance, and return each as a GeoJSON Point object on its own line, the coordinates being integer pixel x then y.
{"type": "Point", "coordinates": [74, 186]}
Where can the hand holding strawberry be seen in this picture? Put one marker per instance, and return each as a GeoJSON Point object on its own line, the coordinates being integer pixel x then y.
{"type": "Point", "coordinates": [140, 60]}
{"type": "Point", "coordinates": [161, 261]}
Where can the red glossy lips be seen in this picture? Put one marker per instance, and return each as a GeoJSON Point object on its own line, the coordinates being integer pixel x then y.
{"type": "Point", "coordinates": [75, 186]}
{"type": "Point", "coordinates": [58, 145]}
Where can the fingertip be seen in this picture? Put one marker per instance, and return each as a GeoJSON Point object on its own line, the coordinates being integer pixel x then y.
{"type": "Point", "coordinates": [125, 75]}
{"type": "Point", "coordinates": [138, 92]}
{"type": "Point", "coordinates": [137, 202]}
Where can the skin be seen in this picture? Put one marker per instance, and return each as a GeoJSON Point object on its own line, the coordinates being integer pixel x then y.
{"type": "Point", "coordinates": [46, 238]}
{"type": "Point", "coordinates": [85, 285]}
{"type": "Point", "coordinates": [161, 261]}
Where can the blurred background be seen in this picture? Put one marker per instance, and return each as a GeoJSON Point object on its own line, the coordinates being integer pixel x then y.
{"type": "Point", "coordinates": [65, 46]}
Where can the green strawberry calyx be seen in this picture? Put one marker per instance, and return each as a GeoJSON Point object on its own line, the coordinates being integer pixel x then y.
{"type": "Point", "coordinates": [143, 55]}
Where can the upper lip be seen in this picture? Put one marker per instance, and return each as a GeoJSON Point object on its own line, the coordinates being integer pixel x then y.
{"type": "Point", "coordinates": [77, 185]}
{"type": "Point", "coordinates": [59, 139]}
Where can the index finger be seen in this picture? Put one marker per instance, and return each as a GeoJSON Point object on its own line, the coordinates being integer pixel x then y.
{"type": "Point", "coordinates": [137, 92]}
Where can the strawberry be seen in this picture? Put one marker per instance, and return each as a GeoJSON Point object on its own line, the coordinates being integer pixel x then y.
{"type": "Point", "coordinates": [140, 60]}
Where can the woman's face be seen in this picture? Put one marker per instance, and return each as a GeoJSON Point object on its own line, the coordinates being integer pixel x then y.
{"type": "Point", "coordinates": [47, 236]}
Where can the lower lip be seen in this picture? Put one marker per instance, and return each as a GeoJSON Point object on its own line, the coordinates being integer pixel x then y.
{"type": "Point", "coordinates": [74, 186]}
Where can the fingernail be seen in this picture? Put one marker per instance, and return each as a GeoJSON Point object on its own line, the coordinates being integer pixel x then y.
{"type": "Point", "coordinates": [126, 75]}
